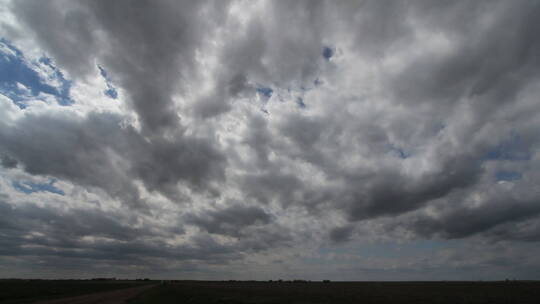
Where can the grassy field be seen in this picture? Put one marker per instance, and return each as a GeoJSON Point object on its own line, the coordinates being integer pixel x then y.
{"type": "Point", "coordinates": [27, 291]}
{"type": "Point", "coordinates": [342, 292]}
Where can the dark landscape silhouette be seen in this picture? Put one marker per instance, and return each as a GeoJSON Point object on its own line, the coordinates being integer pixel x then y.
{"type": "Point", "coordinates": [142, 291]}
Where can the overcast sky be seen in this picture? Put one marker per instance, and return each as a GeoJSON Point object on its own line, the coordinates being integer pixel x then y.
{"type": "Point", "coordinates": [343, 140]}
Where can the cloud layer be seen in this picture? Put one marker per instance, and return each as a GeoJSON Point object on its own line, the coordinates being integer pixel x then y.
{"type": "Point", "coordinates": [235, 139]}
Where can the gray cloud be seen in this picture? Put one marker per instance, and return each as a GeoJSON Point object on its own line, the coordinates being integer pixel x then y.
{"type": "Point", "coordinates": [99, 152]}
{"type": "Point", "coordinates": [168, 34]}
{"type": "Point", "coordinates": [499, 215]}
{"type": "Point", "coordinates": [231, 220]}
{"type": "Point", "coordinates": [71, 149]}
{"type": "Point", "coordinates": [341, 234]}
{"type": "Point", "coordinates": [422, 124]}
{"type": "Point", "coordinates": [8, 162]}
{"type": "Point", "coordinates": [84, 234]}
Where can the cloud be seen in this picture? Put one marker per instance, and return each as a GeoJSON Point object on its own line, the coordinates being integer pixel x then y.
{"type": "Point", "coordinates": [231, 220]}
{"type": "Point", "coordinates": [497, 208]}
{"type": "Point", "coordinates": [8, 162]}
{"type": "Point", "coordinates": [341, 234]}
{"type": "Point", "coordinates": [90, 151]}
{"type": "Point", "coordinates": [91, 234]}
{"type": "Point", "coordinates": [241, 133]}
{"type": "Point", "coordinates": [169, 34]}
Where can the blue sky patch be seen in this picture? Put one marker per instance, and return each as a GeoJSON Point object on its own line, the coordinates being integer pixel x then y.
{"type": "Point", "coordinates": [513, 149]}
{"type": "Point", "coordinates": [507, 176]}
{"type": "Point", "coordinates": [265, 91]}
{"type": "Point", "coordinates": [30, 187]}
{"type": "Point", "coordinates": [399, 152]}
{"type": "Point", "coordinates": [300, 102]}
{"type": "Point", "coordinates": [21, 80]}
{"type": "Point", "coordinates": [111, 90]}
{"type": "Point", "coordinates": [327, 53]}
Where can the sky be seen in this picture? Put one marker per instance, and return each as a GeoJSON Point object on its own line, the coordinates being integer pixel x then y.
{"type": "Point", "coordinates": [257, 140]}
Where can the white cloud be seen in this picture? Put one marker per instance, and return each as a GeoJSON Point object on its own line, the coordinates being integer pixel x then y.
{"type": "Point", "coordinates": [399, 139]}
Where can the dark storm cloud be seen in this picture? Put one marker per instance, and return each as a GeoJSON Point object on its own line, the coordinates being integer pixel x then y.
{"type": "Point", "coordinates": [305, 132]}
{"type": "Point", "coordinates": [390, 193]}
{"type": "Point", "coordinates": [253, 229]}
{"type": "Point", "coordinates": [30, 230]}
{"type": "Point", "coordinates": [166, 35]}
{"type": "Point", "coordinates": [162, 164]}
{"type": "Point", "coordinates": [98, 152]}
{"type": "Point", "coordinates": [76, 47]}
{"type": "Point", "coordinates": [231, 220]}
{"type": "Point", "coordinates": [502, 215]}
{"type": "Point", "coordinates": [341, 234]}
{"type": "Point", "coordinates": [527, 230]}
{"type": "Point", "coordinates": [490, 62]}
{"type": "Point", "coordinates": [492, 58]}
{"type": "Point", "coordinates": [8, 162]}
{"type": "Point", "coordinates": [269, 186]}
{"type": "Point", "coordinates": [76, 150]}
{"type": "Point", "coordinates": [170, 33]}
{"type": "Point", "coordinates": [64, 229]}
{"type": "Point", "coordinates": [117, 238]}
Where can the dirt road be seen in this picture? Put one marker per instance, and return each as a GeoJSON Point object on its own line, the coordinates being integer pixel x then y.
{"type": "Point", "coordinates": [109, 297]}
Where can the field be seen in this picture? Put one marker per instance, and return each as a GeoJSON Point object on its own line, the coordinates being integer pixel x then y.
{"type": "Point", "coordinates": [28, 291]}
{"type": "Point", "coordinates": [522, 292]}
{"type": "Point", "coordinates": [342, 292]}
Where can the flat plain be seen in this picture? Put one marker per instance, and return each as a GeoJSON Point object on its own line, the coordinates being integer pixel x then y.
{"type": "Point", "coordinates": [342, 292]}
{"type": "Point", "coordinates": [30, 291]}
{"type": "Point", "coordinates": [252, 292]}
